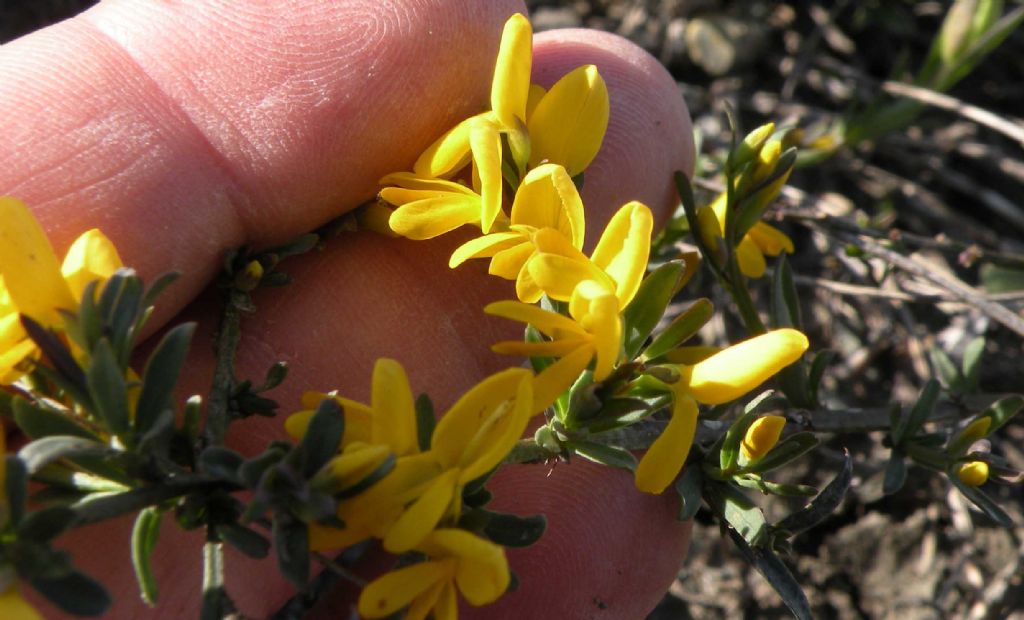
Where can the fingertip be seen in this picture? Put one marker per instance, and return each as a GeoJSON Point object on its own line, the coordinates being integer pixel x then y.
{"type": "Point", "coordinates": [608, 550]}
{"type": "Point", "coordinates": [650, 134]}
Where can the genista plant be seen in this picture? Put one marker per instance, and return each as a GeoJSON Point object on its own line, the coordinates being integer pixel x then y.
{"type": "Point", "coordinates": [606, 371]}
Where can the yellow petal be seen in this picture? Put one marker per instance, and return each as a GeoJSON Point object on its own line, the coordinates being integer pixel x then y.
{"type": "Point", "coordinates": [447, 155]}
{"type": "Point", "coordinates": [771, 240]}
{"type": "Point", "coordinates": [510, 87]}
{"type": "Point", "coordinates": [423, 515]}
{"type": "Point", "coordinates": [750, 258]}
{"type": "Point", "coordinates": [447, 607]}
{"type": "Point", "coordinates": [558, 276]}
{"type": "Point", "coordinates": [483, 421]}
{"type": "Point", "coordinates": [12, 357]}
{"type": "Point", "coordinates": [550, 348]}
{"type": "Point", "coordinates": [762, 436]}
{"type": "Point", "coordinates": [11, 331]}
{"type": "Point", "coordinates": [973, 474]}
{"type": "Point", "coordinates": [547, 198]}
{"type": "Point", "coordinates": [482, 573]}
{"type": "Point", "coordinates": [597, 310]}
{"type": "Point", "coordinates": [395, 590]}
{"type": "Point", "coordinates": [483, 247]}
{"type": "Point", "coordinates": [426, 219]}
{"type": "Point", "coordinates": [549, 323]}
{"type": "Point", "coordinates": [356, 463]}
{"type": "Point", "coordinates": [394, 414]}
{"type": "Point", "coordinates": [374, 217]}
{"type": "Point", "coordinates": [91, 257]}
{"type": "Point", "coordinates": [569, 123]}
{"type": "Point", "coordinates": [624, 248]}
{"type": "Point", "coordinates": [710, 228]}
{"type": "Point", "coordinates": [554, 380]}
{"type": "Point", "coordinates": [418, 183]}
{"type": "Point", "coordinates": [485, 142]}
{"type": "Point", "coordinates": [527, 289]}
{"type": "Point", "coordinates": [537, 93]}
{"type": "Point", "coordinates": [508, 263]}
{"type": "Point", "coordinates": [742, 367]}
{"type": "Point", "coordinates": [662, 462]}
{"type": "Point", "coordinates": [29, 266]}
{"type": "Point", "coordinates": [14, 607]}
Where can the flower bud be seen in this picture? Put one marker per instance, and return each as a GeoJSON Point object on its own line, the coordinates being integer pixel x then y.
{"type": "Point", "coordinates": [973, 474]}
{"type": "Point", "coordinates": [762, 436]}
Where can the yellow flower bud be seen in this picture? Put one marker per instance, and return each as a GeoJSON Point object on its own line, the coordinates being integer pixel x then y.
{"type": "Point", "coordinates": [973, 474]}
{"type": "Point", "coordinates": [975, 430]}
{"type": "Point", "coordinates": [762, 436]}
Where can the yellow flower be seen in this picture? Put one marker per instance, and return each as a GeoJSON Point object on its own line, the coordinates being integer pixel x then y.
{"type": "Point", "coordinates": [428, 207]}
{"type": "Point", "coordinates": [457, 560]}
{"type": "Point", "coordinates": [975, 430]}
{"type": "Point", "coordinates": [618, 263]}
{"type": "Point", "coordinates": [33, 283]}
{"type": "Point", "coordinates": [563, 126]}
{"type": "Point", "coordinates": [14, 607]}
{"type": "Point", "coordinates": [594, 333]}
{"type": "Point", "coordinates": [973, 474]}
{"type": "Point", "coordinates": [762, 239]}
{"type": "Point", "coordinates": [546, 199]}
{"type": "Point", "coordinates": [761, 437]}
{"type": "Point", "coordinates": [469, 441]}
{"type": "Point", "coordinates": [720, 378]}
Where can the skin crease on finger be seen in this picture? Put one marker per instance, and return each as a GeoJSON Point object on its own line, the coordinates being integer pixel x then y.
{"type": "Point", "coordinates": [381, 298]}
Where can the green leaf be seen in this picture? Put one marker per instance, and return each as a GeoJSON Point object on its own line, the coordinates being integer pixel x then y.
{"type": "Point", "coordinates": [252, 544]}
{"type": "Point", "coordinates": [740, 512]}
{"type": "Point", "coordinates": [922, 409]}
{"type": "Point", "coordinates": [822, 360]}
{"type": "Point", "coordinates": [786, 451]}
{"type": "Point", "coordinates": [38, 453]}
{"type": "Point", "coordinates": [158, 287]}
{"type": "Point", "coordinates": [291, 541]}
{"type": "Point", "coordinates": [275, 376]}
{"type": "Point", "coordinates": [756, 198]}
{"type": "Point", "coordinates": [689, 487]}
{"type": "Point", "coordinates": [777, 574]}
{"type": "Point", "coordinates": [144, 537]}
{"type": "Point", "coordinates": [605, 455]}
{"type": "Point", "coordinates": [323, 436]}
{"type": "Point", "coordinates": [729, 456]}
{"type": "Point", "coordinates": [252, 470]}
{"type": "Point", "coordinates": [822, 506]}
{"type": "Point", "coordinates": [38, 420]}
{"type": "Point", "coordinates": [999, 279]}
{"type": "Point", "coordinates": [108, 389]}
{"type": "Point", "coordinates": [767, 487]}
{"type": "Point", "coordinates": [509, 530]}
{"type": "Point", "coordinates": [367, 482]}
{"type": "Point", "coordinates": [971, 365]}
{"type": "Point", "coordinates": [681, 329]}
{"type": "Point", "coordinates": [985, 503]}
{"type": "Point", "coordinates": [1003, 410]}
{"type": "Point", "coordinates": [785, 308]}
{"type": "Point", "coordinates": [161, 376]}
{"type": "Point", "coordinates": [221, 462]}
{"type": "Point", "coordinates": [648, 306]}
{"type": "Point", "coordinates": [75, 593]}
{"type": "Point", "coordinates": [425, 421]}
{"type": "Point", "coordinates": [66, 372]}
{"type": "Point", "coordinates": [44, 525]}
{"type": "Point", "coordinates": [895, 473]}
{"type": "Point", "coordinates": [946, 369]}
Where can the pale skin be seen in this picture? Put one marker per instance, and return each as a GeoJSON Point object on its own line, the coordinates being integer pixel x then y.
{"type": "Point", "coordinates": [183, 129]}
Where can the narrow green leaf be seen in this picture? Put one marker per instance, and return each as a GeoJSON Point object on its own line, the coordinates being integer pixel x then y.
{"type": "Point", "coordinates": [922, 409]}
{"type": "Point", "coordinates": [252, 470]}
{"type": "Point", "coordinates": [648, 306]}
{"type": "Point", "coordinates": [730, 454]}
{"type": "Point", "coordinates": [38, 420]}
{"type": "Point", "coordinates": [291, 541]}
{"type": "Point", "coordinates": [158, 287]}
{"type": "Point", "coordinates": [822, 506]}
{"type": "Point", "coordinates": [252, 544]}
{"type": "Point", "coordinates": [382, 470]}
{"type": "Point", "coordinates": [66, 372]}
{"type": "Point", "coordinates": [425, 421]}
{"type": "Point", "coordinates": [275, 376]}
{"type": "Point", "coordinates": [1003, 410]}
{"type": "Point", "coordinates": [15, 486]}
{"type": "Point", "coordinates": [221, 462]}
{"type": "Point", "coordinates": [681, 329]}
{"type": "Point", "coordinates": [689, 487]}
{"type": "Point", "coordinates": [741, 513]}
{"type": "Point", "coordinates": [946, 369]}
{"type": "Point", "coordinates": [971, 365]}
{"type": "Point", "coordinates": [985, 503]}
{"type": "Point", "coordinates": [895, 473]}
{"type": "Point", "coordinates": [144, 537]}
{"type": "Point", "coordinates": [822, 360]}
{"type": "Point", "coordinates": [38, 453]}
{"type": "Point", "coordinates": [323, 436]}
{"type": "Point", "coordinates": [75, 593]}
{"type": "Point", "coordinates": [44, 525]}
{"type": "Point", "coordinates": [785, 308]}
{"type": "Point", "coordinates": [108, 389]}
{"type": "Point", "coordinates": [161, 376]}
{"type": "Point", "coordinates": [605, 455]}
{"type": "Point", "coordinates": [509, 530]}
{"type": "Point", "coordinates": [786, 451]}
{"type": "Point", "coordinates": [778, 576]}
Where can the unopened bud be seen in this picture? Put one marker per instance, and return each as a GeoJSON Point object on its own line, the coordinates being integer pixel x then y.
{"type": "Point", "coordinates": [762, 436]}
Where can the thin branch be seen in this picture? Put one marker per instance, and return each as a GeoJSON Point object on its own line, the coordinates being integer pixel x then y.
{"type": "Point", "coordinates": [1013, 129]}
